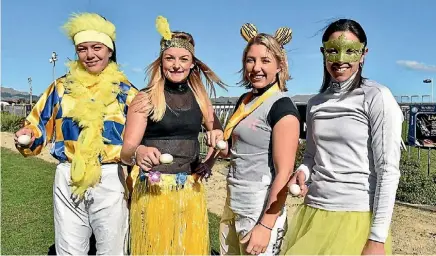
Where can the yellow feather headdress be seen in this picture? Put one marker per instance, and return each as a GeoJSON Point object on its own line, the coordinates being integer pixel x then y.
{"type": "Point", "coordinates": [90, 27]}
{"type": "Point", "coordinates": [163, 27]}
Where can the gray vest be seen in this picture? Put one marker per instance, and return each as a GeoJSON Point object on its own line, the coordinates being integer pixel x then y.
{"type": "Point", "coordinates": [252, 170]}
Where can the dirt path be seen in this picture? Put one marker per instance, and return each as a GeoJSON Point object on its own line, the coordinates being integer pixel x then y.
{"type": "Point", "coordinates": [413, 230]}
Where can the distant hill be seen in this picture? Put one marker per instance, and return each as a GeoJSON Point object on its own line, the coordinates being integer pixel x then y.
{"type": "Point", "coordinates": [10, 94]}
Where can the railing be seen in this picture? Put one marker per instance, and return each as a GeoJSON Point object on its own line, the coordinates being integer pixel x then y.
{"type": "Point", "coordinates": [18, 110]}
{"type": "Point", "coordinates": [406, 99]}
{"type": "Point", "coordinates": [223, 112]}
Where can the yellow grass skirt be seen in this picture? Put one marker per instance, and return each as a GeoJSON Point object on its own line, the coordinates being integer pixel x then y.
{"type": "Point", "coordinates": [167, 219]}
{"type": "Point", "coordinates": [315, 231]}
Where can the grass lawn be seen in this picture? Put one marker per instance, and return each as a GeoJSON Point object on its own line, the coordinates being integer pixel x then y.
{"type": "Point", "coordinates": [27, 211]}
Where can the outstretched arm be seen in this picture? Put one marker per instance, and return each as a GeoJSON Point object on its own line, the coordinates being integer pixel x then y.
{"type": "Point", "coordinates": [41, 120]}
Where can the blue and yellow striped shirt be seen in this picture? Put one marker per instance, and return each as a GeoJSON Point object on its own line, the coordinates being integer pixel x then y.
{"type": "Point", "coordinates": [49, 120]}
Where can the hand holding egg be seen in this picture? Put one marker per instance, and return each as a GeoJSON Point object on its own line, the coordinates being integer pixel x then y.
{"type": "Point", "coordinates": [24, 138]}
{"type": "Point", "coordinates": [147, 157]}
{"type": "Point", "coordinates": [297, 184]}
{"type": "Point", "coordinates": [215, 137]}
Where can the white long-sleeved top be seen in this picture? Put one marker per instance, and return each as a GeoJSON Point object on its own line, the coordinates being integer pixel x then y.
{"type": "Point", "coordinates": [353, 152]}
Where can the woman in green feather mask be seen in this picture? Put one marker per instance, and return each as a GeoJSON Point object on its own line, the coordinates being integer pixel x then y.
{"type": "Point", "coordinates": [352, 156]}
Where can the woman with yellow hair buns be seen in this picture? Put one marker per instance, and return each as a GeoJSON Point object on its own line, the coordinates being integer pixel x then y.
{"type": "Point", "coordinates": [85, 111]}
{"type": "Point", "coordinates": [168, 205]}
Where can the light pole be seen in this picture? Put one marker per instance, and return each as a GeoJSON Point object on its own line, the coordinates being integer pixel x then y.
{"type": "Point", "coordinates": [29, 80]}
{"type": "Point", "coordinates": [429, 81]}
{"type": "Point", "coordinates": [53, 59]}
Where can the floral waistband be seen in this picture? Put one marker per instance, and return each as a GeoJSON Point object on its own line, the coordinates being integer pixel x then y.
{"type": "Point", "coordinates": [156, 178]}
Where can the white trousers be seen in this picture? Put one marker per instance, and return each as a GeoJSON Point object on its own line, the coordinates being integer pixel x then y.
{"type": "Point", "coordinates": [233, 227]}
{"type": "Point", "coordinates": [102, 212]}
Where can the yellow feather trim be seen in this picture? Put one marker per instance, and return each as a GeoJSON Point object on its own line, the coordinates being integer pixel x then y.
{"type": "Point", "coordinates": [89, 21]}
{"type": "Point", "coordinates": [92, 94]}
{"type": "Point", "coordinates": [163, 27]}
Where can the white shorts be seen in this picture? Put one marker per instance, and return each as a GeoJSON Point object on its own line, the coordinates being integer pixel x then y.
{"type": "Point", "coordinates": [102, 212]}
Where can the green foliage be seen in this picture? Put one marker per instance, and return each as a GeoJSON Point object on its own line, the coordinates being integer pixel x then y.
{"type": "Point", "coordinates": [10, 123]}
{"type": "Point", "coordinates": [416, 186]}
{"type": "Point", "coordinates": [300, 154]}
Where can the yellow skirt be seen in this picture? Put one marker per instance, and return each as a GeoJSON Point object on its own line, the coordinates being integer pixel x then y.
{"type": "Point", "coordinates": [315, 231]}
{"type": "Point", "coordinates": [169, 219]}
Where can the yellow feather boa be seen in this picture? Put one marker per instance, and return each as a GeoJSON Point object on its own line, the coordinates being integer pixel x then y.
{"type": "Point", "coordinates": [92, 94]}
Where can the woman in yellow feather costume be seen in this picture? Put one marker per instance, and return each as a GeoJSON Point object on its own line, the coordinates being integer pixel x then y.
{"type": "Point", "coordinates": [168, 206]}
{"type": "Point", "coordinates": [85, 113]}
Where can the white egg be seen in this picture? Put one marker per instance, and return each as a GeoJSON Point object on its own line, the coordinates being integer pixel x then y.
{"type": "Point", "coordinates": [221, 145]}
{"type": "Point", "coordinates": [166, 158]}
{"type": "Point", "coordinates": [295, 189]}
{"type": "Point", "coordinates": [24, 140]}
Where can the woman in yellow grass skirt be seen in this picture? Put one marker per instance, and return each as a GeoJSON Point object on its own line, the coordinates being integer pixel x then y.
{"type": "Point", "coordinates": [169, 218]}
{"type": "Point", "coordinates": [352, 156]}
{"type": "Point", "coordinates": [168, 205]}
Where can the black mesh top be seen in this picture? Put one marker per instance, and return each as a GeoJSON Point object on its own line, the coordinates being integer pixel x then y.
{"type": "Point", "coordinates": [177, 132]}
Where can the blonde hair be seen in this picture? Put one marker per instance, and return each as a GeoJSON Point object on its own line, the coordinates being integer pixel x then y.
{"type": "Point", "coordinates": [152, 100]}
{"type": "Point", "coordinates": [276, 49]}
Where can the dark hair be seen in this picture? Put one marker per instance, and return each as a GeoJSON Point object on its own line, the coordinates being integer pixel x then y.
{"type": "Point", "coordinates": [355, 28]}
{"type": "Point", "coordinates": [114, 54]}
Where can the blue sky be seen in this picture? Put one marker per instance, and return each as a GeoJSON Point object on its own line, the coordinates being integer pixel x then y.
{"type": "Point", "coordinates": [401, 37]}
